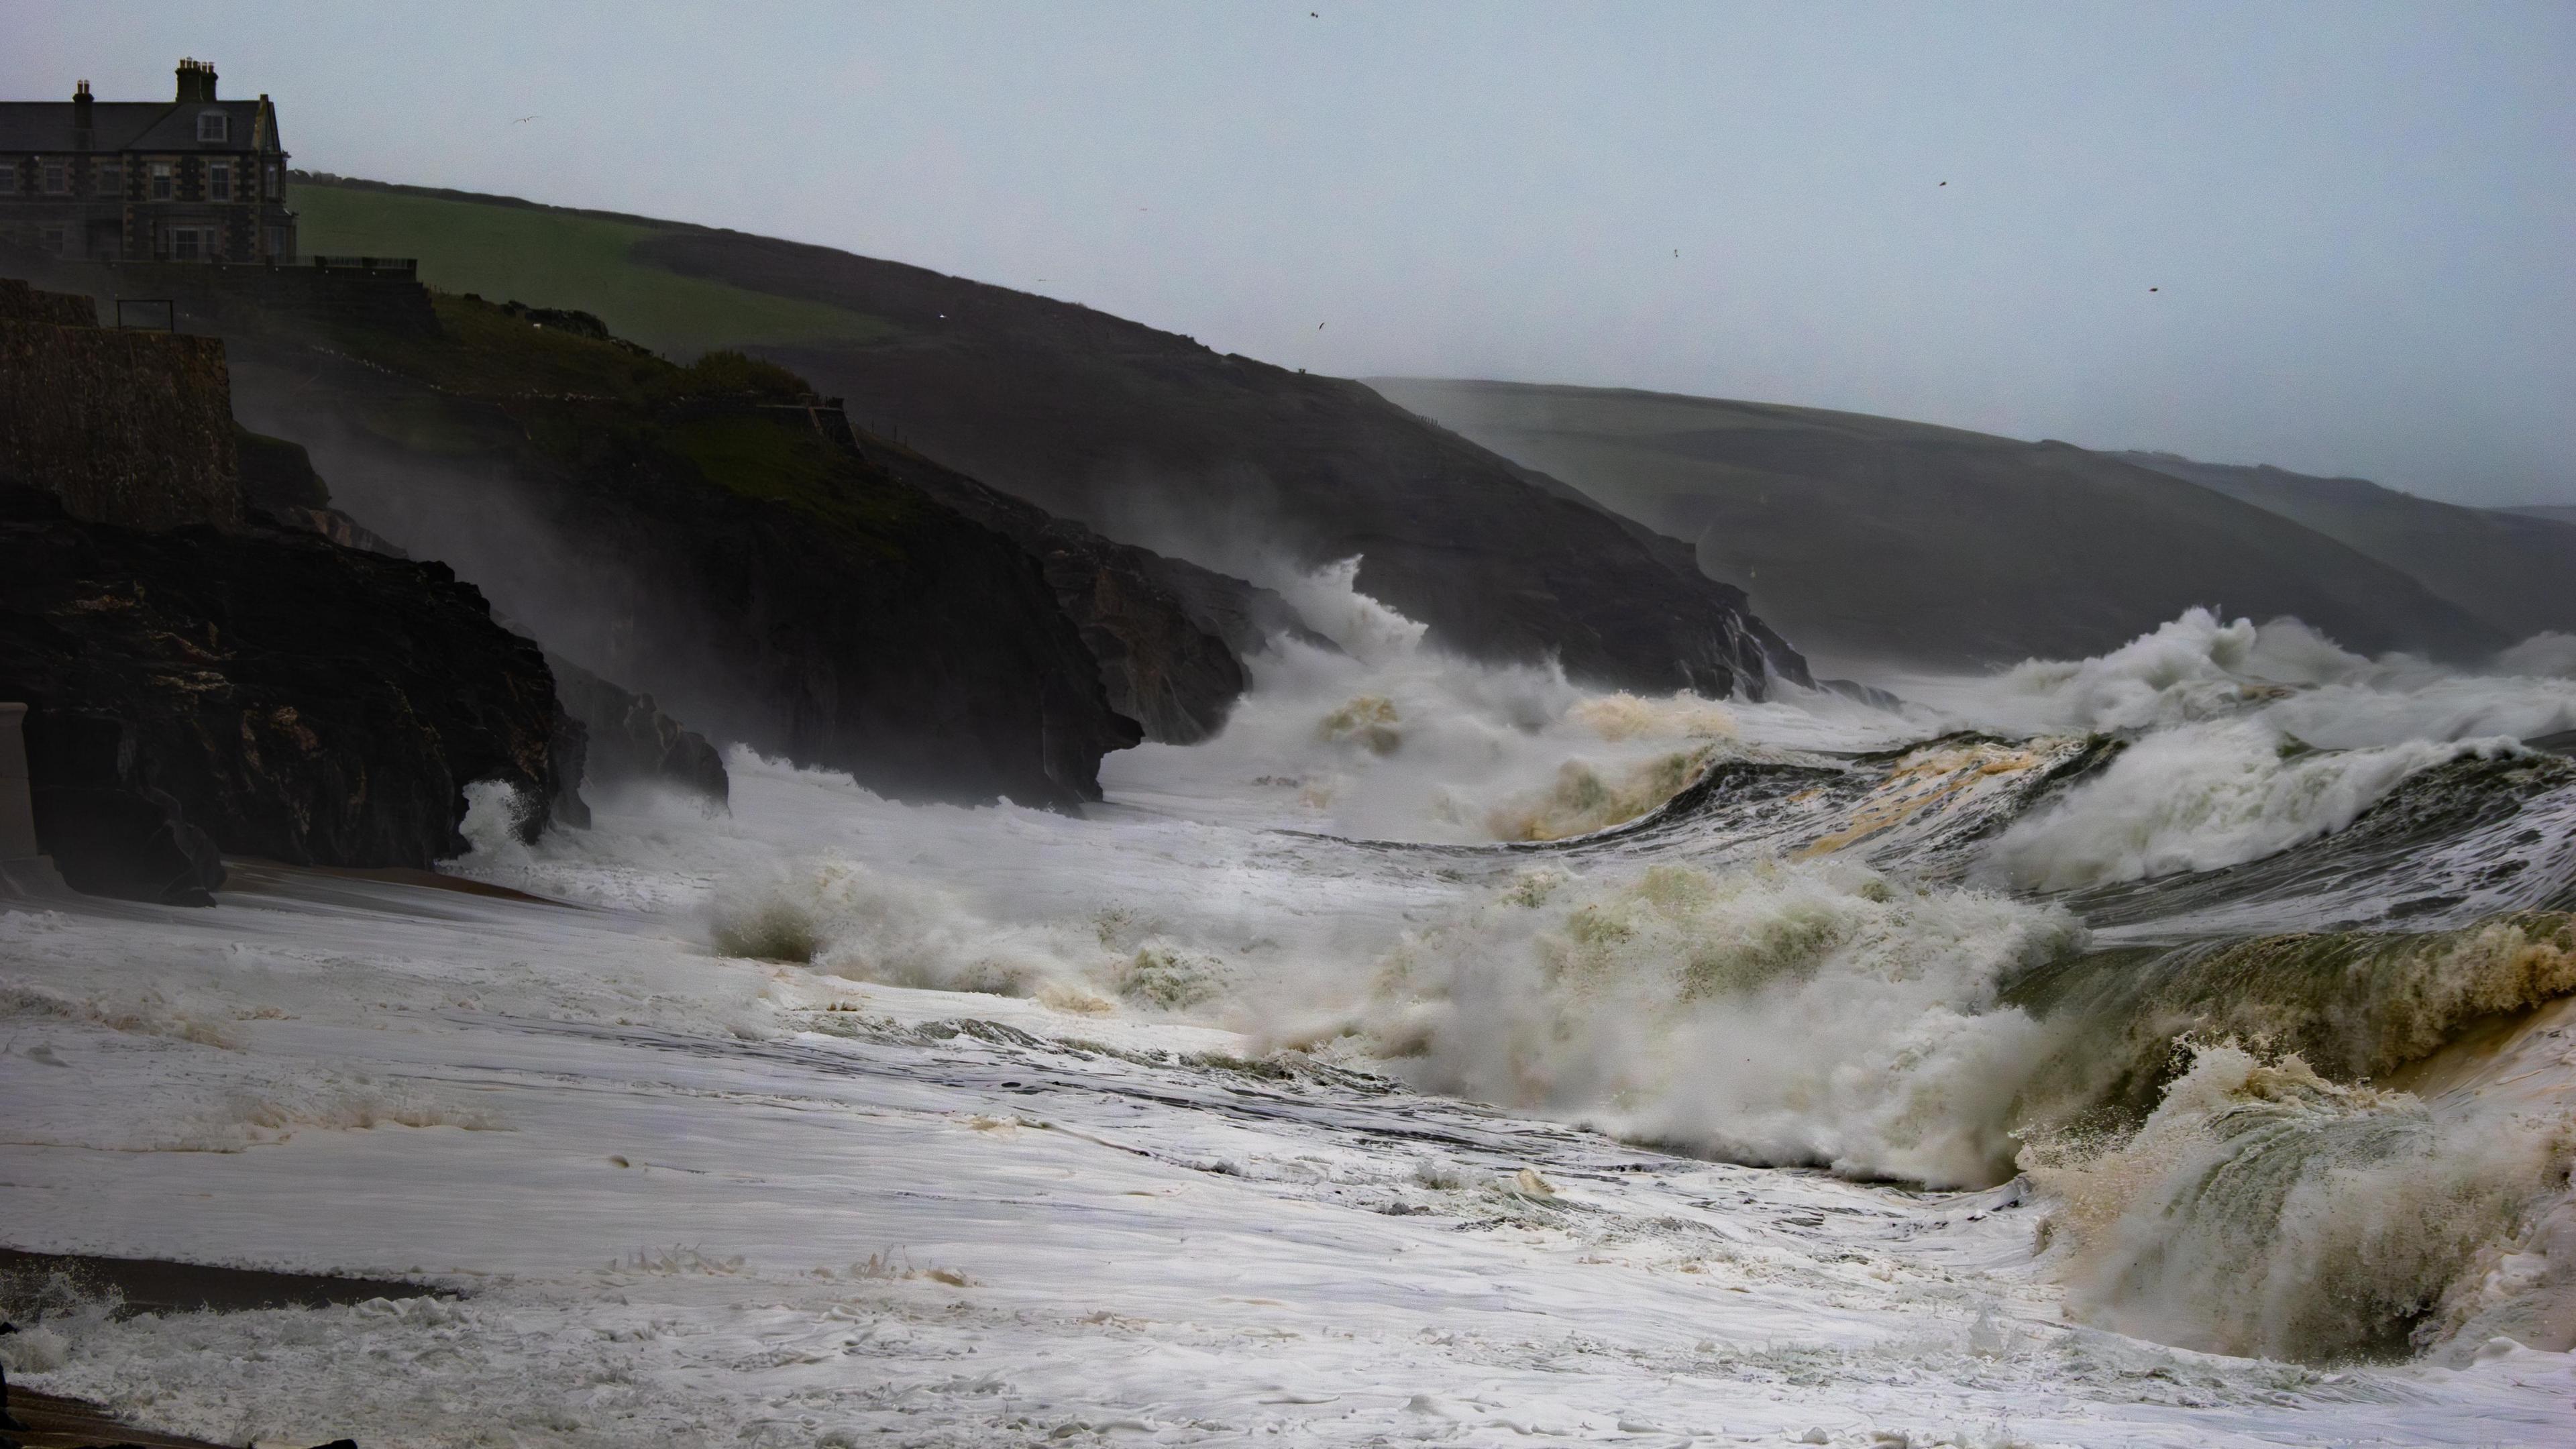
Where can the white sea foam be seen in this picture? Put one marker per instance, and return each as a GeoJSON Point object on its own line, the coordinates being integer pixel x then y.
{"type": "Point", "coordinates": [1122, 1090]}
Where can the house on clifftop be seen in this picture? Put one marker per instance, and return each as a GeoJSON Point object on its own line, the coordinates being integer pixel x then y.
{"type": "Point", "coordinates": [193, 179]}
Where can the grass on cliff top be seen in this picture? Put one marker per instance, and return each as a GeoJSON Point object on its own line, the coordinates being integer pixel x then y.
{"type": "Point", "coordinates": [483, 351]}
{"type": "Point", "coordinates": [552, 258]}
{"type": "Point", "coordinates": [733, 418]}
{"type": "Point", "coordinates": [797, 469]}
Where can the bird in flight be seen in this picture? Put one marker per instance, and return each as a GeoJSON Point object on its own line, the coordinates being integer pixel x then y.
{"type": "Point", "coordinates": [1945, 183]}
{"type": "Point", "coordinates": [523, 120]}
{"type": "Point", "coordinates": [1319, 326]}
{"type": "Point", "coordinates": [2155, 289]}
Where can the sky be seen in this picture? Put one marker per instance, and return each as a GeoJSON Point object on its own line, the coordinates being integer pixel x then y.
{"type": "Point", "coordinates": [2338, 237]}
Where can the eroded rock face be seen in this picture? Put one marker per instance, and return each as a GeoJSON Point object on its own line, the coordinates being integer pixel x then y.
{"type": "Point", "coordinates": [261, 692]}
{"type": "Point", "coordinates": [760, 579]}
{"type": "Point", "coordinates": [1169, 635]}
{"type": "Point", "coordinates": [631, 740]}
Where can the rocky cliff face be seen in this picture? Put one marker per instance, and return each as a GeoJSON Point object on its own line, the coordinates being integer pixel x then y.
{"type": "Point", "coordinates": [631, 741]}
{"type": "Point", "coordinates": [1169, 635]}
{"type": "Point", "coordinates": [693, 533]}
{"type": "Point", "coordinates": [259, 692]}
{"type": "Point", "coordinates": [128, 427]}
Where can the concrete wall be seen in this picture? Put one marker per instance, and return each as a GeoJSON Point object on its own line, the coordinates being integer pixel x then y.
{"type": "Point", "coordinates": [17, 813]}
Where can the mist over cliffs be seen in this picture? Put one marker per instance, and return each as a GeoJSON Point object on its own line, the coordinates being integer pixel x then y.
{"type": "Point", "coordinates": [1146, 437]}
{"type": "Point", "coordinates": [1877, 538]}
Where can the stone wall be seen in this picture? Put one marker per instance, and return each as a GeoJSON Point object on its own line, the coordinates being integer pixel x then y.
{"type": "Point", "coordinates": [22, 303]}
{"type": "Point", "coordinates": [126, 427]}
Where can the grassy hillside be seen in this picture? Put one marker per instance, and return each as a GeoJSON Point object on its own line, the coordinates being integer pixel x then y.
{"type": "Point", "coordinates": [552, 257]}
{"type": "Point", "coordinates": [2554, 512]}
{"type": "Point", "coordinates": [1878, 538]}
{"type": "Point", "coordinates": [2516, 572]}
{"type": "Point", "coordinates": [1149, 436]}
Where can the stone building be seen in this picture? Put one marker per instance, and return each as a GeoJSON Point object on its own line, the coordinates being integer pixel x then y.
{"type": "Point", "coordinates": [195, 179]}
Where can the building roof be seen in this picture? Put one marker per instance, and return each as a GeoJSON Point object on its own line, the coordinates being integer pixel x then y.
{"type": "Point", "coordinates": [135, 126]}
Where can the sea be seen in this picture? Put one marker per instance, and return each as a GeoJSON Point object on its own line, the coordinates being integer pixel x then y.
{"type": "Point", "coordinates": [2172, 1047]}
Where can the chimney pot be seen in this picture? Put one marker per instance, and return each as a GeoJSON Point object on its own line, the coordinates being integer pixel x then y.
{"type": "Point", "coordinates": [196, 79]}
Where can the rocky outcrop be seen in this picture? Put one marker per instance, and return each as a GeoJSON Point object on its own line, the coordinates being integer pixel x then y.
{"type": "Point", "coordinates": [126, 427]}
{"type": "Point", "coordinates": [257, 692]}
{"type": "Point", "coordinates": [632, 741]}
{"type": "Point", "coordinates": [1170, 636]}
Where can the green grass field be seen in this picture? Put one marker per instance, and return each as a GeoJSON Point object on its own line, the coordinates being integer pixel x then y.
{"type": "Point", "coordinates": [549, 258]}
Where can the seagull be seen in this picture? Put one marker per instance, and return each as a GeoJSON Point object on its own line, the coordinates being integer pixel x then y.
{"type": "Point", "coordinates": [523, 120]}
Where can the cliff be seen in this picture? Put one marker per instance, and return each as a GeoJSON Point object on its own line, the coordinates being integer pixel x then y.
{"type": "Point", "coordinates": [699, 534]}
{"type": "Point", "coordinates": [1878, 538]}
{"type": "Point", "coordinates": [1146, 437]}
{"type": "Point", "coordinates": [257, 692]}
{"type": "Point", "coordinates": [632, 741]}
{"type": "Point", "coordinates": [1169, 635]}
{"type": "Point", "coordinates": [2512, 570]}
{"type": "Point", "coordinates": [1152, 436]}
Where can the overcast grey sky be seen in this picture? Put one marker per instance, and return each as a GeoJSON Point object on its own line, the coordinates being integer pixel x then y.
{"type": "Point", "coordinates": [2361, 218]}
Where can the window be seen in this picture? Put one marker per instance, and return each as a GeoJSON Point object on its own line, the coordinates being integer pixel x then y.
{"type": "Point", "coordinates": [213, 126]}
{"type": "Point", "coordinates": [58, 178]}
{"type": "Point", "coordinates": [8, 178]}
{"type": "Point", "coordinates": [107, 179]}
{"type": "Point", "coordinates": [276, 241]}
{"type": "Point", "coordinates": [219, 181]}
{"type": "Point", "coordinates": [273, 192]}
{"type": "Point", "coordinates": [192, 244]}
{"type": "Point", "coordinates": [161, 186]}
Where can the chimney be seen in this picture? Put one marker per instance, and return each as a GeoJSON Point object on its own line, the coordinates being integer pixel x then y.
{"type": "Point", "coordinates": [196, 80]}
{"type": "Point", "coordinates": [81, 115]}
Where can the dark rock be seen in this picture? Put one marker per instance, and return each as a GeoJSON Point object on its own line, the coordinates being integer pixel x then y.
{"type": "Point", "coordinates": [1170, 636]}
{"type": "Point", "coordinates": [698, 534]}
{"type": "Point", "coordinates": [630, 739]}
{"type": "Point", "coordinates": [277, 474]}
{"type": "Point", "coordinates": [261, 691]}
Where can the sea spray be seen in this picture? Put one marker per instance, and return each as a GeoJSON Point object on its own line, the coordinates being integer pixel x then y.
{"type": "Point", "coordinates": [1817, 1013]}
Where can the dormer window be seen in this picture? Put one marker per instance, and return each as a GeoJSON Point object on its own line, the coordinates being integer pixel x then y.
{"type": "Point", "coordinates": [213, 126]}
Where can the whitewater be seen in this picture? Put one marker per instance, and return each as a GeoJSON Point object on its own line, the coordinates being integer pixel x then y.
{"type": "Point", "coordinates": [2173, 1047]}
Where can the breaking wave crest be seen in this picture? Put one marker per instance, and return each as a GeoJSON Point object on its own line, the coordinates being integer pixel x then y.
{"type": "Point", "coordinates": [2266, 1210]}
{"type": "Point", "coordinates": [1786, 1013]}
{"type": "Point", "coordinates": [2164, 929]}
